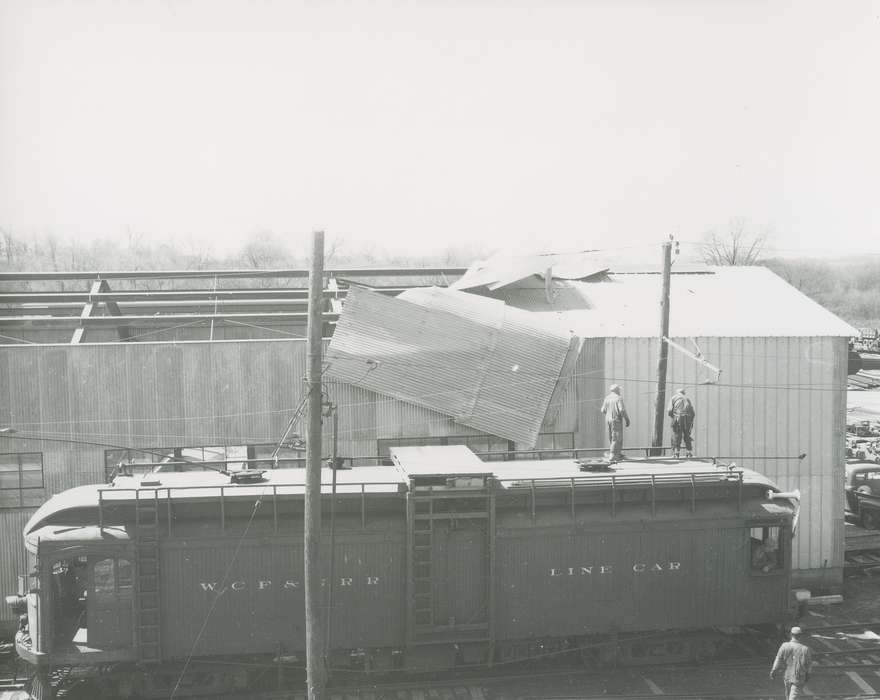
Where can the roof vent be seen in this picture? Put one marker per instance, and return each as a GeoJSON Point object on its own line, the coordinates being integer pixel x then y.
{"type": "Point", "coordinates": [594, 465]}
{"type": "Point", "coordinates": [248, 476]}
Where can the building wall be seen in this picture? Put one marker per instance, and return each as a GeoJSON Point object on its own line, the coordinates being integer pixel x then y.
{"type": "Point", "coordinates": [776, 398]}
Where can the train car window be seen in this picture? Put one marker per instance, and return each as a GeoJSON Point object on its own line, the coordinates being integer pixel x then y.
{"type": "Point", "coordinates": [113, 576]}
{"type": "Point", "coordinates": [288, 457]}
{"type": "Point", "coordinates": [105, 577]}
{"type": "Point", "coordinates": [766, 549]}
{"type": "Point", "coordinates": [135, 461]}
{"type": "Point", "coordinates": [550, 442]}
{"type": "Point", "coordinates": [21, 479]}
{"type": "Point", "coordinates": [124, 575]}
{"type": "Point", "coordinates": [70, 582]}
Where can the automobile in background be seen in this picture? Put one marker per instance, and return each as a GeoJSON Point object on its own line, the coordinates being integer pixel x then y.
{"type": "Point", "coordinates": [862, 492]}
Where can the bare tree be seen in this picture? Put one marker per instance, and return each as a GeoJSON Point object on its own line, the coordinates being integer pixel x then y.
{"type": "Point", "coordinates": [738, 245]}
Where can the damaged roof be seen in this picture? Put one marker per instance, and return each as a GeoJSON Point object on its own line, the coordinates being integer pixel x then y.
{"type": "Point", "coordinates": [488, 365]}
{"type": "Point", "coordinates": [500, 271]}
{"type": "Point", "coordinates": [716, 302]}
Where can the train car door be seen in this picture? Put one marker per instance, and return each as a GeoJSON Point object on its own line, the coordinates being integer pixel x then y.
{"type": "Point", "coordinates": [110, 602]}
{"type": "Point", "coordinates": [451, 526]}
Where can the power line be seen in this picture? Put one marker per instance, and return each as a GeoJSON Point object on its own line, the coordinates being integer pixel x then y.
{"type": "Point", "coordinates": [387, 400]}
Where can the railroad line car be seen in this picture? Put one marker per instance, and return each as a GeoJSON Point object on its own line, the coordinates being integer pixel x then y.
{"type": "Point", "coordinates": [439, 560]}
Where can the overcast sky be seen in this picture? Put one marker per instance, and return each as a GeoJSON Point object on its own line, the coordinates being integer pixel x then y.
{"type": "Point", "coordinates": [423, 124]}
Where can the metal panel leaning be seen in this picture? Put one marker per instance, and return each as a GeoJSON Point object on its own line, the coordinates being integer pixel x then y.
{"type": "Point", "coordinates": [178, 579]}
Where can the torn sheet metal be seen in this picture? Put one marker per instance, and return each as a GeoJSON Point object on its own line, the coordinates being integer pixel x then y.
{"type": "Point", "coordinates": [487, 365]}
{"type": "Point", "coordinates": [500, 271]}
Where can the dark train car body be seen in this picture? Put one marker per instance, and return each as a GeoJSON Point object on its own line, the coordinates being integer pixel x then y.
{"type": "Point", "coordinates": [439, 560]}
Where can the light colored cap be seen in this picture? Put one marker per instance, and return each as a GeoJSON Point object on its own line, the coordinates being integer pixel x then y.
{"type": "Point", "coordinates": [615, 388]}
{"type": "Point", "coordinates": [796, 631]}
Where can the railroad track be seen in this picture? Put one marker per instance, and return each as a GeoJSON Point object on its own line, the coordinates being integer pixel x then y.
{"type": "Point", "coordinates": [842, 652]}
{"type": "Point", "coordinates": [861, 562]}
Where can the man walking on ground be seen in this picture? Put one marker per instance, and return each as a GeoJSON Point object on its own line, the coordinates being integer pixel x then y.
{"type": "Point", "coordinates": [798, 660]}
{"type": "Point", "coordinates": [681, 410]}
{"type": "Point", "coordinates": [615, 416]}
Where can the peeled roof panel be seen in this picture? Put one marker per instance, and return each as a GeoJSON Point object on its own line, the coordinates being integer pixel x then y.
{"type": "Point", "coordinates": [501, 271]}
{"type": "Point", "coordinates": [489, 366]}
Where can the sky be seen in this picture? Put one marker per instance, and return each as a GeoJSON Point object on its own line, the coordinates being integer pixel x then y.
{"type": "Point", "coordinates": [420, 125]}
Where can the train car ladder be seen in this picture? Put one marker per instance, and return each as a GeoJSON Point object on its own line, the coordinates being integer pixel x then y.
{"type": "Point", "coordinates": [422, 563]}
{"type": "Point", "coordinates": [429, 507]}
{"type": "Point", "coordinates": [147, 552]}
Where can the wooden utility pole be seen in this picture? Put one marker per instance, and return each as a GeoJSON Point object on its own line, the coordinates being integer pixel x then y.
{"type": "Point", "coordinates": [315, 671]}
{"type": "Point", "coordinates": [334, 454]}
{"type": "Point", "coordinates": [660, 402]}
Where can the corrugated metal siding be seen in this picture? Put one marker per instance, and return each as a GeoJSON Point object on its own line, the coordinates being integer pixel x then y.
{"type": "Point", "coordinates": [154, 395]}
{"type": "Point", "coordinates": [777, 398]}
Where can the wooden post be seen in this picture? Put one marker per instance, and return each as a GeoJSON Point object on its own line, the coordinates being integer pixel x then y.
{"type": "Point", "coordinates": [315, 671]}
{"type": "Point", "coordinates": [660, 402]}
{"type": "Point", "coordinates": [331, 568]}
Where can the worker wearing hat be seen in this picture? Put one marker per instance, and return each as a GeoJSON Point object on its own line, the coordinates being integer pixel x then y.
{"type": "Point", "coordinates": [798, 660]}
{"type": "Point", "coordinates": [681, 410]}
{"type": "Point", "coordinates": [615, 416]}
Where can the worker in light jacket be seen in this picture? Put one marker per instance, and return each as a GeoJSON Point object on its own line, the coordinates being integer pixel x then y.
{"type": "Point", "coordinates": [615, 416]}
{"type": "Point", "coordinates": [797, 659]}
{"type": "Point", "coordinates": [681, 410]}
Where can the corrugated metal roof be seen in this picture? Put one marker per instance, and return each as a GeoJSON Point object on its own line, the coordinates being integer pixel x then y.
{"type": "Point", "coordinates": [727, 302]}
{"type": "Point", "coordinates": [490, 366]}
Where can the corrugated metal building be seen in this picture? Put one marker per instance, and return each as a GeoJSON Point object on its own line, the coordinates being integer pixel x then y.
{"type": "Point", "coordinates": [781, 392]}
{"type": "Point", "coordinates": [78, 409]}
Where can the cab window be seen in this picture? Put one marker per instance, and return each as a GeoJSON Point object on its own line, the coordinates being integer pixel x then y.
{"type": "Point", "coordinates": [765, 547]}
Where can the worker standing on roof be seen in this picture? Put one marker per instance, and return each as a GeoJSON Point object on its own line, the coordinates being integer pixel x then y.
{"type": "Point", "coordinates": [681, 410]}
{"type": "Point", "coordinates": [615, 416]}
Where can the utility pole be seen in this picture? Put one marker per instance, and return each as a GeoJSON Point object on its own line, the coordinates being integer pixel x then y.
{"type": "Point", "coordinates": [334, 456]}
{"type": "Point", "coordinates": [660, 402]}
{"type": "Point", "coordinates": [315, 671]}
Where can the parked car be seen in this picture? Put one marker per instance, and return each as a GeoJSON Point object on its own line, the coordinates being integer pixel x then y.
{"type": "Point", "coordinates": [862, 492]}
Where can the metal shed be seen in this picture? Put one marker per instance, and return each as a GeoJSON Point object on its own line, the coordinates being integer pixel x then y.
{"type": "Point", "coordinates": [781, 392]}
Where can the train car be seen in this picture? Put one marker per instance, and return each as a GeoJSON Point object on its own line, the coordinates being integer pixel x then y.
{"type": "Point", "coordinates": [186, 579]}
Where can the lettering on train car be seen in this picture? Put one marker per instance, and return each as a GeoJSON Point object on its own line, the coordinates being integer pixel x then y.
{"type": "Point", "coordinates": [638, 568]}
{"type": "Point", "coordinates": [287, 584]}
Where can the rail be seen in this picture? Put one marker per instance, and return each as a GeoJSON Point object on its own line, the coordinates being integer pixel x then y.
{"type": "Point", "coordinates": [363, 460]}
{"type": "Point", "coordinates": [616, 484]}
{"type": "Point", "coordinates": [222, 492]}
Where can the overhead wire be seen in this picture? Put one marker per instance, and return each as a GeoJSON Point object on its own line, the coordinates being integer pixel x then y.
{"type": "Point", "coordinates": [375, 401]}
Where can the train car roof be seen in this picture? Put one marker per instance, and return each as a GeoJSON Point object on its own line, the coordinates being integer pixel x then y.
{"type": "Point", "coordinates": [438, 461]}
{"type": "Point", "coordinates": [208, 484]}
